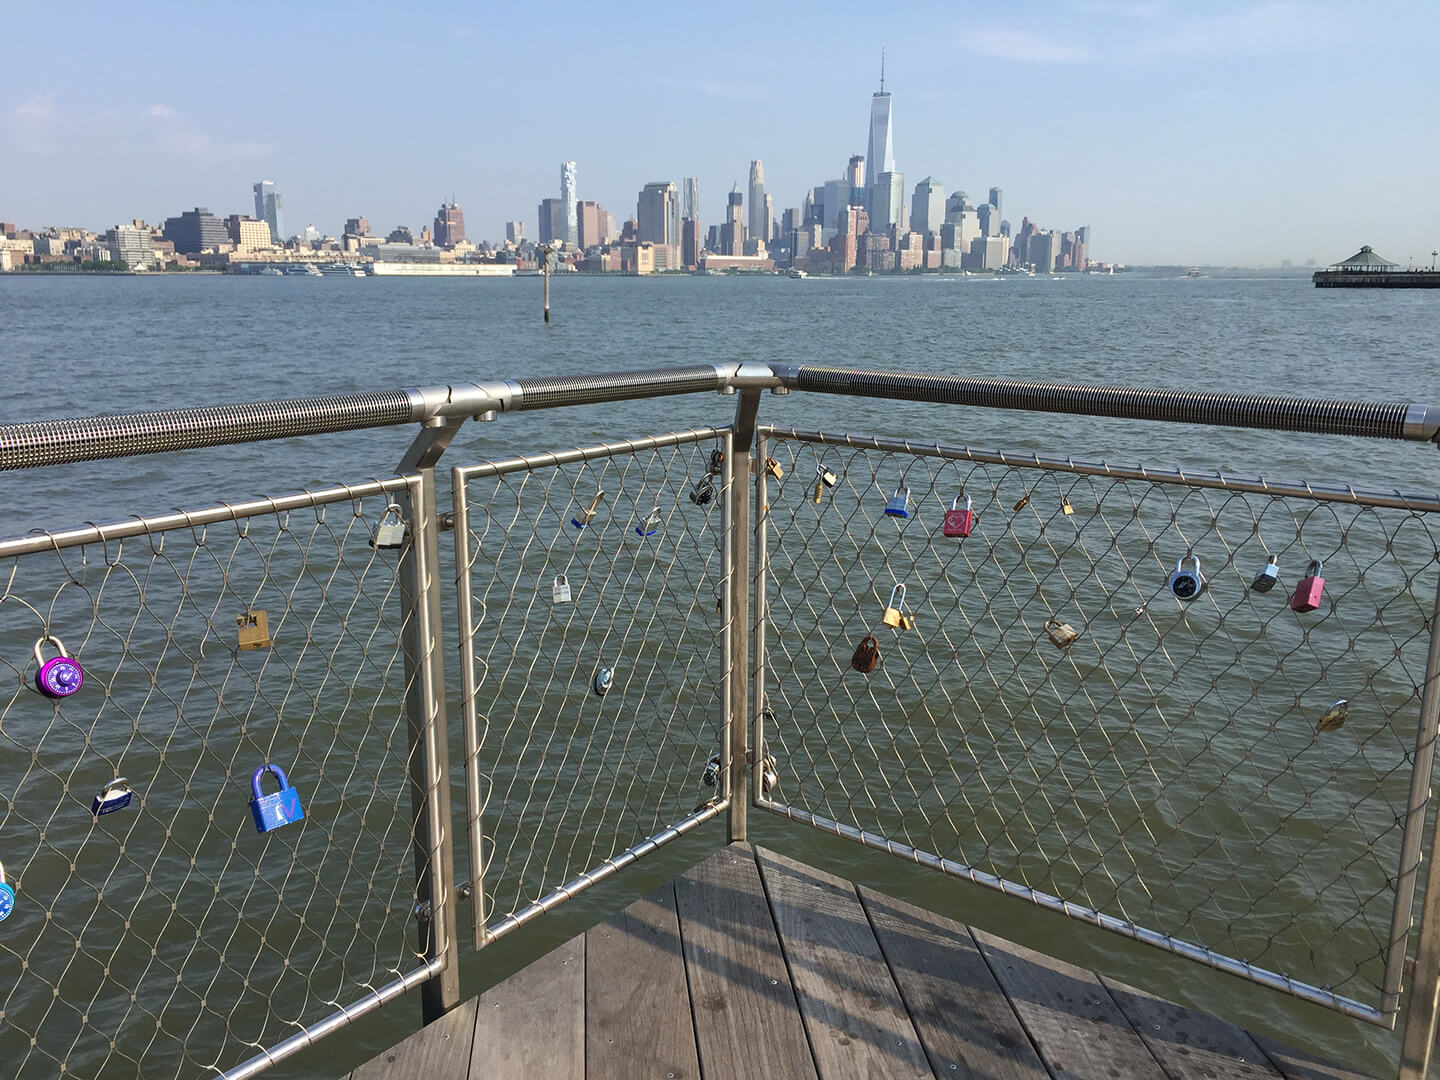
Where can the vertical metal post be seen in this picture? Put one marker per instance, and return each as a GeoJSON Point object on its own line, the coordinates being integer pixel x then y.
{"type": "Point", "coordinates": [757, 665]}
{"type": "Point", "coordinates": [738, 492]}
{"type": "Point", "coordinates": [428, 731]}
{"type": "Point", "coordinates": [1420, 1015]}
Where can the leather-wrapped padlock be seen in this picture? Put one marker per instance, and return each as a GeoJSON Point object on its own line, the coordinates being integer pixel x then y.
{"type": "Point", "coordinates": [586, 516]}
{"type": "Point", "coordinates": [1187, 584]}
{"type": "Point", "coordinates": [1310, 590]}
{"type": "Point", "coordinates": [1062, 634]}
{"type": "Point", "coordinates": [1269, 574]}
{"type": "Point", "coordinates": [61, 675]}
{"type": "Point", "coordinates": [273, 811]}
{"type": "Point", "coordinates": [867, 655]}
{"type": "Point", "coordinates": [389, 534]}
{"type": "Point", "coordinates": [959, 521]}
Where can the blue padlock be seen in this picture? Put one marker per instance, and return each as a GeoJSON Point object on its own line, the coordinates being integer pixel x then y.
{"type": "Point", "coordinates": [899, 504]}
{"type": "Point", "coordinates": [7, 896]}
{"type": "Point", "coordinates": [272, 811]}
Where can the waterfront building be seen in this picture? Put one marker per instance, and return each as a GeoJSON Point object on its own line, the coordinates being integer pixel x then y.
{"type": "Point", "coordinates": [195, 231]}
{"type": "Point", "coordinates": [589, 225]}
{"type": "Point", "coordinates": [656, 213]}
{"type": "Point", "coordinates": [401, 234]}
{"type": "Point", "coordinates": [270, 208]}
{"type": "Point", "coordinates": [956, 205]}
{"type": "Point", "coordinates": [759, 203]}
{"type": "Point", "coordinates": [855, 173]}
{"type": "Point", "coordinates": [834, 197]}
{"type": "Point", "coordinates": [989, 252]}
{"type": "Point", "coordinates": [887, 206]}
{"type": "Point", "coordinates": [515, 232]}
{"type": "Point", "coordinates": [690, 246]}
{"type": "Point", "coordinates": [567, 196]}
{"type": "Point", "coordinates": [247, 234]}
{"type": "Point", "coordinates": [1041, 250]}
{"type": "Point", "coordinates": [880, 152]}
{"type": "Point", "coordinates": [552, 221]}
{"type": "Point", "coordinates": [1082, 236]}
{"type": "Point", "coordinates": [995, 200]}
{"type": "Point", "coordinates": [910, 251]}
{"type": "Point", "coordinates": [449, 225]}
{"type": "Point", "coordinates": [732, 232]}
{"type": "Point", "coordinates": [989, 220]}
{"type": "Point", "coordinates": [637, 257]}
{"type": "Point", "coordinates": [132, 245]}
{"type": "Point", "coordinates": [690, 203]}
{"type": "Point", "coordinates": [357, 226]}
{"type": "Point", "coordinates": [927, 206]}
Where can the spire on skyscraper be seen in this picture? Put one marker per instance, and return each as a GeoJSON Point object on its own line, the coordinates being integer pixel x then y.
{"type": "Point", "coordinates": [882, 69]}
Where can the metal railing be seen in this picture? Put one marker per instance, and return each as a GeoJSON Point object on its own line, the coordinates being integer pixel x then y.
{"type": "Point", "coordinates": [1050, 717]}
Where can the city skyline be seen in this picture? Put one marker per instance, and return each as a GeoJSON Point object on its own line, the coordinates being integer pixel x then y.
{"type": "Point", "coordinates": [1141, 118]}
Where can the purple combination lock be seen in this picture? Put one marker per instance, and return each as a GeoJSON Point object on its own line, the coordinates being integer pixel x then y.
{"type": "Point", "coordinates": [60, 676]}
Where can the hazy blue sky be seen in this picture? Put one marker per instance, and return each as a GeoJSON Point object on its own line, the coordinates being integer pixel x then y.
{"type": "Point", "coordinates": [1180, 131]}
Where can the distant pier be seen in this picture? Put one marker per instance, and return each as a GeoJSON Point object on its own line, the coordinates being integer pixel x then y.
{"type": "Point", "coordinates": [1367, 270]}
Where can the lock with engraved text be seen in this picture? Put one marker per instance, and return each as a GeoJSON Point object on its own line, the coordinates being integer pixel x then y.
{"type": "Point", "coordinates": [1308, 592]}
{"type": "Point", "coordinates": [717, 462]}
{"type": "Point", "coordinates": [899, 504]}
{"type": "Point", "coordinates": [1269, 574]}
{"type": "Point", "coordinates": [959, 522]}
{"type": "Point", "coordinates": [651, 525]}
{"type": "Point", "coordinates": [560, 589]}
{"type": "Point", "coordinates": [390, 532]}
{"type": "Point", "coordinates": [272, 811]}
{"type": "Point", "coordinates": [704, 492]}
{"type": "Point", "coordinates": [1187, 584]}
{"type": "Point", "coordinates": [254, 629]}
{"type": "Point", "coordinates": [60, 676]}
{"type": "Point", "coordinates": [867, 655]}
{"type": "Point", "coordinates": [1062, 634]}
{"type": "Point", "coordinates": [588, 514]}
{"type": "Point", "coordinates": [113, 796]}
{"type": "Point", "coordinates": [893, 615]}
{"type": "Point", "coordinates": [773, 468]}
{"type": "Point", "coordinates": [711, 776]}
{"type": "Point", "coordinates": [7, 896]}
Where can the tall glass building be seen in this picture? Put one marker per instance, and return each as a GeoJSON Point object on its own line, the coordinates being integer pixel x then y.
{"type": "Point", "coordinates": [270, 208]}
{"type": "Point", "coordinates": [567, 196]}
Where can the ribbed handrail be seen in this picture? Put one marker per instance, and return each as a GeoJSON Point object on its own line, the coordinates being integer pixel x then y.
{"type": "Point", "coordinates": [547, 392]}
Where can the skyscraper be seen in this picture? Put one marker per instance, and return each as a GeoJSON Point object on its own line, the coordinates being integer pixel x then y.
{"type": "Point", "coordinates": [270, 208]}
{"type": "Point", "coordinates": [887, 201]}
{"type": "Point", "coordinates": [927, 206]}
{"type": "Point", "coordinates": [690, 205]}
{"type": "Point", "coordinates": [655, 213]}
{"type": "Point", "coordinates": [880, 154]}
{"type": "Point", "coordinates": [759, 209]}
{"type": "Point", "coordinates": [995, 200]}
{"type": "Point", "coordinates": [567, 196]}
{"type": "Point", "coordinates": [552, 221]}
{"type": "Point", "coordinates": [732, 233]}
{"type": "Point", "coordinates": [449, 225]}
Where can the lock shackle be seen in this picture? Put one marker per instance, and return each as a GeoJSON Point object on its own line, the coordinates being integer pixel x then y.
{"type": "Point", "coordinates": [900, 589]}
{"type": "Point", "coordinates": [2, 873]}
{"type": "Point", "coordinates": [901, 488]}
{"type": "Point", "coordinates": [1052, 621]}
{"type": "Point", "coordinates": [278, 772]}
{"type": "Point", "coordinates": [392, 508]}
{"type": "Point", "coordinates": [1180, 563]}
{"type": "Point", "coordinates": [561, 579]}
{"type": "Point", "coordinates": [873, 641]}
{"type": "Point", "coordinates": [955, 503]}
{"type": "Point", "coordinates": [119, 781]}
{"type": "Point", "coordinates": [59, 648]}
{"type": "Point", "coordinates": [1315, 568]}
{"type": "Point", "coordinates": [595, 502]}
{"type": "Point", "coordinates": [1273, 560]}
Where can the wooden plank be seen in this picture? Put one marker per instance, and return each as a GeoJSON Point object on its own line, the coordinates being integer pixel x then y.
{"type": "Point", "coordinates": [532, 1025]}
{"type": "Point", "coordinates": [853, 1012]}
{"type": "Point", "coordinates": [963, 1017]}
{"type": "Point", "coordinates": [439, 1049]}
{"type": "Point", "coordinates": [747, 1023]}
{"type": "Point", "coordinates": [637, 1015]}
{"type": "Point", "coordinates": [1299, 1065]}
{"type": "Point", "coordinates": [1080, 1032]}
{"type": "Point", "coordinates": [1190, 1045]}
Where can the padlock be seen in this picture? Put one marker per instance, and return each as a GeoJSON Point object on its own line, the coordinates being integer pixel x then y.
{"type": "Point", "coordinates": [711, 776]}
{"type": "Point", "coordinates": [113, 796]}
{"type": "Point", "coordinates": [254, 629]}
{"type": "Point", "coordinates": [1061, 633]}
{"type": "Point", "coordinates": [824, 478]}
{"type": "Point", "coordinates": [1024, 502]}
{"type": "Point", "coordinates": [604, 679]}
{"type": "Point", "coordinates": [272, 811]}
{"type": "Point", "coordinates": [7, 896]}
{"type": "Point", "coordinates": [1308, 592]}
{"type": "Point", "coordinates": [1187, 584]}
{"type": "Point", "coordinates": [389, 534]}
{"type": "Point", "coordinates": [769, 775]}
{"type": "Point", "coordinates": [1065, 507]}
{"type": "Point", "coordinates": [1267, 577]}
{"type": "Point", "coordinates": [819, 492]}
{"type": "Point", "coordinates": [1334, 717]}
{"type": "Point", "coordinates": [893, 615]}
{"type": "Point", "coordinates": [704, 492]}
{"type": "Point", "coordinates": [717, 462]}
{"type": "Point", "coordinates": [773, 468]}
{"type": "Point", "coordinates": [867, 655]}
{"type": "Point", "coordinates": [899, 504]}
{"type": "Point", "coordinates": [588, 514]}
{"type": "Point", "coordinates": [560, 589]}
{"type": "Point", "coordinates": [60, 676]}
{"type": "Point", "coordinates": [959, 522]}
{"type": "Point", "coordinates": [652, 524]}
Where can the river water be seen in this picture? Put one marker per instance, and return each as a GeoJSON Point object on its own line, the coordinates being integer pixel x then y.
{"type": "Point", "coordinates": [81, 346]}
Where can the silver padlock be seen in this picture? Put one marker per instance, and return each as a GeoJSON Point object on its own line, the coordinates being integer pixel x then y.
{"type": "Point", "coordinates": [1062, 634]}
{"type": "Point", "coordinates": [389, 534]}
{"type": "Point", "coordinates": [651, 525]}
{"type": "Point", "coordinates": [704, 492]}
{"type": "Point", "coordinates": [113, 796]}
{"type": "Point", "coordinates": [583, 519]}
{"type": "Point", "coordinates": [604, 679]}
{"type": "Point", "coordinates": [7, 896]}
{"type": "Point", "coordinates": [1187, 584]}
{"type": "Point", "coordinates": [769, 775]}
{"type": "Point", "coordinates": [711, 776]}
{"type": "Point", "coordinates": [560, 589]}
{"type": "Point", "coordinates": [1267, 577]}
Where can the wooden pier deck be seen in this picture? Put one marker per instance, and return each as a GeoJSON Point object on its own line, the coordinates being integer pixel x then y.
{"type": "Point", "coordinates": [751, 965]}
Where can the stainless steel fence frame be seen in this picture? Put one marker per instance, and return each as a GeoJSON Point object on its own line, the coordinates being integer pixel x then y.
{"type": "Point", "coordinates": [1384, 1014]}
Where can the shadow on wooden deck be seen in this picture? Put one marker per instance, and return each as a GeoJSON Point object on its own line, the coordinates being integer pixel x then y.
{"type": "Point", "coordinates": [751, 965]}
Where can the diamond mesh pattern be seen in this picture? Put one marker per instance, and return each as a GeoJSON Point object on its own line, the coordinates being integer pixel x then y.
{"type": "Point", "coordinates": [1166, 767]}
{"type": "Point", "coordinates": [552, 752]}
{"type": "Point", "coordinates": [169, 938]}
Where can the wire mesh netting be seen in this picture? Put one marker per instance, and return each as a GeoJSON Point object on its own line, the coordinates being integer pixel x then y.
{"type": "Point", "coordinates": [570, 776]}
{"type": "Point", "coordinates": [1054, 710]}
{"type": "Point", "coordinates": [168, 937]}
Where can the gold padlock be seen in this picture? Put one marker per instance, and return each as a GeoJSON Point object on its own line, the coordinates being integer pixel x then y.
{"type": "Point", "coordinates": [773, 468]}
{"type": "Point", "coordinates": [819, 492]}
{"type": "Point", "coordinates": [1024, 501]}
{"type": "Point", "coordinates": [1065, 507]}
{"type": "Point", "coordinates": [906, 623]}
{"type": "Point", "coordinates": [254, 629]}
{"type": "Point", "coordinates": [893, 616]}
{"type": "Point", "coordinates": [1062, 634]}
{"type": "Point", "coordinates": [1334, 717]}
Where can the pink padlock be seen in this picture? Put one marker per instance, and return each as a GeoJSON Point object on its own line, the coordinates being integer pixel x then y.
{"type": "Point", "coordinates": [959, 522]}
{"type": "Point", "coordinates": [1308, 592]}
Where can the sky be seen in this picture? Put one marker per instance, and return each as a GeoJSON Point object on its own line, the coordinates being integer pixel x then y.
{"type": "Point", "coordinates": [1202, 132]}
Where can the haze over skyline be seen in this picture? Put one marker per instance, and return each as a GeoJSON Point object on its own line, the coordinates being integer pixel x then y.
{"type": "Point", "coordinates": [1247, 133]}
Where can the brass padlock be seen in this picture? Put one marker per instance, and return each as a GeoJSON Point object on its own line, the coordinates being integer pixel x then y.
{"type": "Point", "coordinates": [893, 616]}
{"type": "Point", "coordinates": [819, 492]}
{"type": "Point", "coordinates": [1334, 717]}
{"type": "Point", "coordinates": [1024, 501]}
{"type": "Point", "coordinates": [773, 468]}
{"type": "Point", "coordinates": [1062, 634]}
{"type": "Point", "coordinates": [1065, 507]}
{"type": "Point", "coordinates": [254, 629]}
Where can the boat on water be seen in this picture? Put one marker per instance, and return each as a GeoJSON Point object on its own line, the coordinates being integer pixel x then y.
{"type": "Point", "coordinates": [705, 272]}
{"type": "Point", "coordinates": [340, 269]}
{"type": "Point", "coordinates": [1194, 271]}
{"type": "Point", "coordinates": [796, 274]}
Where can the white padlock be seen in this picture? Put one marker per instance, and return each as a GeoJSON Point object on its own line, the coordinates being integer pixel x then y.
{"type": "Point", "coordinates": [560, 589]}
